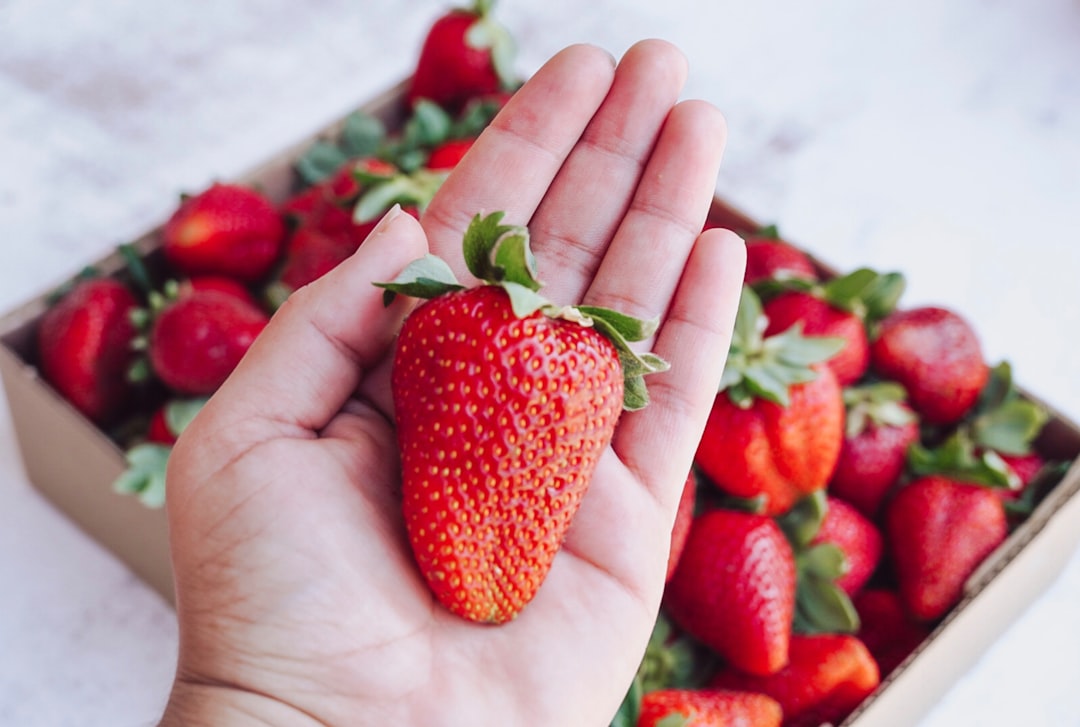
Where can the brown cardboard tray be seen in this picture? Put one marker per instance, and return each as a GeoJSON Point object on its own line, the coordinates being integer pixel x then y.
{"type": "Point", "coordinates": [74, 464]}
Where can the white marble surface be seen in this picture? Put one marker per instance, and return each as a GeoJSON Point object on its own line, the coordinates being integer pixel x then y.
{"type": "Point", "coordinates": [940, 139]}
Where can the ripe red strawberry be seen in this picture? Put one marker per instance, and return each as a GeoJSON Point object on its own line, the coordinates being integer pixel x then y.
{"type": "Point", "coordinates": [84, 347]}
{"type": "Point", "coordinates": [1025, 467]}
{"type": "Point", "coordinates": [466, 54]}
{"type": "Point", "coordinates": [309, 255]}
{"type": "Point", "coordinates": [771, 259]}
{"type": "Point", "coordinates": [828, 676]}
{"type": "Point", "coordinates": [708, 708]}
{"type": "Point", "coordinates": [939, 531]}
{"type": "Point", "coordinates": [502, 413]}
{"type": "Point", "coordinates": [776, 426]}
{"type": "Point", "coordinates": [820, 318]}
{"type": "Point", "coordinates": [858, 539]}
{"type": "Point", "coordinates": [196, 339]}
{"type": "Point", "coordinates": [734, 589]}
{"type": "Point", "coordinates": [447, 155]}
{"type": "Point", "coordinates": [937, 357]}
{"type": "Point", "coordinates": [228, 230]}
{"type": "Point", "coordinates": [219, 283]}
{"type": "Point", "coordinates": [684, 517]}
{"type": "Point", "coordinates": [879, 428]}
{"type": "Point", "coordinates": [886, 629]}
{"type": "Point", "coordinates": [158, 431]}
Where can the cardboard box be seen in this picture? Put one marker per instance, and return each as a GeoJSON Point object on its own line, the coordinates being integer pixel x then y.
{"type": "Point", "coordinates": [79, 482]}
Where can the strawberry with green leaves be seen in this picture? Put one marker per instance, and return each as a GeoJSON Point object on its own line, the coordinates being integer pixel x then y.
{"type": "Point", "coordinates": [194, 336]}
{"type": "Point", "coordinates": [708, 708]}
{"type": "Point", "coordinates": [504, 403]}
{"type": "Point", "coordinates": [734, 589]}
{"type": "Point", "coordinates": [879, 429]}
{"type": "Point", "coordinates": [828, 676]}
{"type": "Point", "coordinates": [844, 307]}
{"type": "Point", "coordinates": [466, 54]}
{"type": "Point", "coordinates": [937, 356]}
{"type": "Point", "coordinates": [776, 426]}
{"type": "Point", "coordinates": [228, 229]}
{"type": "Point", "coordinates": [84, 347]}
{"type": "Point", "coordinates": [939, 531]}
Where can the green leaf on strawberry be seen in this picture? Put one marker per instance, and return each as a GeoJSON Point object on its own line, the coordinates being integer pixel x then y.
{"type": "Point", "coordinates": [759, 367]}
{"type": "Point", "coordinates": [500, 255]}
{"type": "Point", "coordinates": [145, 474]}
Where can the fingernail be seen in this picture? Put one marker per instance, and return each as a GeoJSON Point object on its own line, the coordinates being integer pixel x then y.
{"type": "Point", "coordinates": [390, 216]}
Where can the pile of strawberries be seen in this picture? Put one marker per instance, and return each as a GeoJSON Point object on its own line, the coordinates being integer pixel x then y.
{"type": "Point", "coordinates": [860, 462]}
{"type": "Point", "coordinates": [138, 352]}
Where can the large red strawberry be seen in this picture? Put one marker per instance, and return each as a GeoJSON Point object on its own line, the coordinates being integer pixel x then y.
{"type": "Point", "coordinates": [504, 404]}
{"type": "Point", "coordinates": [776, 426]}
{"type": "Point", "coordinates": [828, 676]}
{"type": "Point", "coordinates": [84, 347]}
{"type": "Point", "coordinates": [466, 54]}
{"type": "Point", "coordinates": [708, 708]}
{"type": "Point", "coordinates": [937, 357]}
{"type": "Point", "coordinates": [734, 589]}
{"type": "Point", "coordinates": [879, 429]}
{"type": "Point", "coordinates": [196, 337]}
{"type": "Point", "coordinates": [939, 531]}
{"type": "Point", "coordinates": [228, 229]}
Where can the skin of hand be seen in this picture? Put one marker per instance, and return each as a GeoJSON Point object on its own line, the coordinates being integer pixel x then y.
{"type": "Point", "coordinates": [298, 601]}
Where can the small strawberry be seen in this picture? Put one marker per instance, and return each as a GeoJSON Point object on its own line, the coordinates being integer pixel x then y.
{"type": "Point", "coordinates": [1025, 467]}
{"type": "Point", "coordinates": [447, 155]}
{"type": "Point", "coordinates": [828, 676]}
{"type": "Point", "coordinates": [466, 54]}
{"type": "Point", "coordinates": [776, 426]}
{"type": "Point", "coordinates": [936, 355]}
{"type": "Point", "coordinates": [684, 517]}
{"type": "Point", "coordinates": [857, 538]}
{"type": "Point", "coordinates": [504, 404]}
{"type": "Point", "coordinates": [939, 531]}
{"type": "Point", "coordinates": [309, 255]}
{"type": "Point", "coordinates": [773, 259]}
{"type": "Point", "coordinates": [708, 708]}
{"type": "Point", "coordinates": [734, 589]}
{"type": "Point", "coordinates": [886, 629]}
{"type": "Point", "coordinates": [879, 429]}
{"type": "Point", "coordinates": [84, 347]}
{"type": "Point", "coordinates": [228, 230]}
{"type": "Point", "coordinates": [196, 337]}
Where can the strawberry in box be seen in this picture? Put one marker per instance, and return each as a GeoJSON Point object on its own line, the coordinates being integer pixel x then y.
{"type": "Point", "coordinates": [776, 427]}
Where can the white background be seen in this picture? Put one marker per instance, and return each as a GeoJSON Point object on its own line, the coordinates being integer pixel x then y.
{"type": "Point", "coordinates": [939, 139]}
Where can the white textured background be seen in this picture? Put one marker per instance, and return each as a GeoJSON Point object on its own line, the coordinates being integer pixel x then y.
{"type": "Point", "coordinates": [940, 139]}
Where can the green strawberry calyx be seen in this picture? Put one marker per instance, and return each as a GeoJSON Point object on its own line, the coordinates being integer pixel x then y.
{"type": "Point", "coordinates": [765, 368]}
{"type": "Point", "coordinates": [499, 254]}
{"type": "Point", "coordinates": [821, 606]}
{"type": "Point", "coordinates": [486, 33]}
{"type": "Point", "coordinates": [1002, 422]}
{"type": "Point", "coordinates": [877, 404]}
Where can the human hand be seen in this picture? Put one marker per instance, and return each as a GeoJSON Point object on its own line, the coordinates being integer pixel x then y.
{"type": "Point", "coordinates": [297, 597]}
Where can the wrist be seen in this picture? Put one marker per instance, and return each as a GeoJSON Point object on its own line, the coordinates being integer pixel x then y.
{"type": "Point", "coordinates": [212, 705]}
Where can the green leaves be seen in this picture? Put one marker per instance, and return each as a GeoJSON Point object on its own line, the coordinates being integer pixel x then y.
{"type": "Point", "coordinates": [426, 277]}
{"type": "Point", "coordinates": [821, 606]}
{"type": "Point", "coordinates": [145, 474]}
{"type": "Point", "coordinates": [766, 368]}
{"type": "Point", "coordinates": [499, 254]}
{"type": "Point", "coordinates": [361, 135]}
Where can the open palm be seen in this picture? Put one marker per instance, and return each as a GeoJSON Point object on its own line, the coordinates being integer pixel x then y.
{"type": "Point", "coordinates": [297, 597]}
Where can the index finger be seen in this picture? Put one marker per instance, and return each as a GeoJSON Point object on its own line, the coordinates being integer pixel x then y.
{"type": "Point", "coordinates": [515, 159]}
